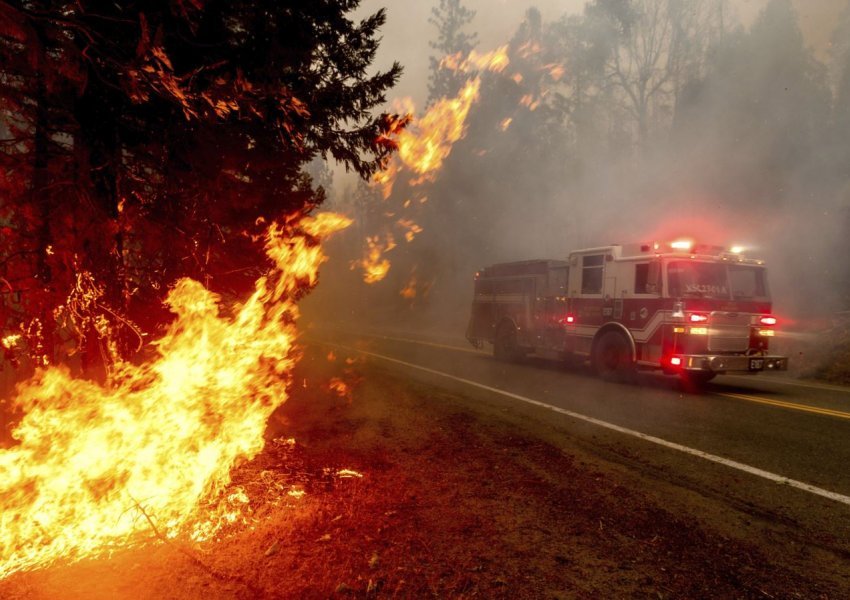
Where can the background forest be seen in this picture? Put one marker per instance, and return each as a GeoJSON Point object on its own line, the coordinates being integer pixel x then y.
{"type": "Point", "coordinates": [632, 120]}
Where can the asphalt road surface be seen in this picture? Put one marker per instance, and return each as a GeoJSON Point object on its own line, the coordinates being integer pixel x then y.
{"type": "Point", "coordinates": [778, 446]}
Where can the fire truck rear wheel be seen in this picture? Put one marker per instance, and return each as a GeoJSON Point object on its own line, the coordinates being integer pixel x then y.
{"type": "Point", "coordinates": [612, 358]}
{"type": "Point", "coordinates": [505, 345]}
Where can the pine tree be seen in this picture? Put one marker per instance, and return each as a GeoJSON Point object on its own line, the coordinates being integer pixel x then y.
{"type": "Point", "coordinates": [147, 139]}
{"type": "Point", "coordinates": [450, 18]}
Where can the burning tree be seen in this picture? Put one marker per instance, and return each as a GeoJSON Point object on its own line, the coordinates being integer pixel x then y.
{"type": "Point", "coordinates": [147, 141]}
{"type": "Point", "coordinates": [153, 145]}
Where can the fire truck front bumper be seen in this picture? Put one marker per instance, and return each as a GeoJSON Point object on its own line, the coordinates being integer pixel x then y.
{"type": "Point", "coordinates": [725, 363]}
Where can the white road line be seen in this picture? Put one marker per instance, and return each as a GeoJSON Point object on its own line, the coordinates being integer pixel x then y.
{"type": "Point", "coordinates": [624, 430]}
{"type": "Point", "coordinates": [749, 379]}
{"type": "Point", "coordinates": [424, 343]}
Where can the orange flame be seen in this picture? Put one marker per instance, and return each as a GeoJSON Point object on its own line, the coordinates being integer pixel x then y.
{"type": "Point", "coordinates": [411, 229]}
{"type": "Point", "coordinates": [375, 266]}
{"type": "Point", "coordinates": [95, 466]}
{"type": "Point", "coordinates": [424, 144]}
{"type": "Point", "coordinates": [340, 388]}
{"type": "Point", "coordinates": [496, 61]}
{"type": "Point", "coordinates": [427, 141]}
{"type": "Point", "coordinates": [10, 341]}
{"type": "Point", "coordinates": [408, 292]}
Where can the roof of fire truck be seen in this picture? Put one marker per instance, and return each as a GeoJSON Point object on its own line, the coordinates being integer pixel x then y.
{"type": "Point", "coordinates": [674, 249]}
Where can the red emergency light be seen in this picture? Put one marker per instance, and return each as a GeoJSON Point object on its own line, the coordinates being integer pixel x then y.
{"type": "Point", "coordinates": [698, 318]}
{"type": "Point", "coordinates": [768, 320]}
{"type": "Point", "coordinates": [676, 361]}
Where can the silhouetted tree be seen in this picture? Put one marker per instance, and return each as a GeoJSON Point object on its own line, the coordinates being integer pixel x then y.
{"type": "Point", "coordinates": [450, 18]}
{"type": "Point", "coordinates": [149, 140]}
{"type": "Point", "coordinates": [653, 48]}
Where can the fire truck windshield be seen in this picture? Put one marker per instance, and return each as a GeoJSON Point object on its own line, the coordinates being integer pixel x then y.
{"type": "Point", "coordinates": [716, 280]}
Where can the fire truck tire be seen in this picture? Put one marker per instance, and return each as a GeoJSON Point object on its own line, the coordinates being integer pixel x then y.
{"type": "Point", "coordinates": [505, 345]}
{"type": "Point", "coordinates": [612, 358]}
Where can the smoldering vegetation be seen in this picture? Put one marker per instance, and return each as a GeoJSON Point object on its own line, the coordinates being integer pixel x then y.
{"type": "Point", "coordinates": [633, 120]}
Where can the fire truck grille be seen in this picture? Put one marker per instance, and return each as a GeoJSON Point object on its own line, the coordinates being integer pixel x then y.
{"type": "Point", "coordinates": [729, 332]}
{"type": "Point", "coordinates": [727, 338]}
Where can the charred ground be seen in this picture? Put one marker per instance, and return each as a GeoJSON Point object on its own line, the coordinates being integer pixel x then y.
{"type": "Point", "coordinates": [460, 498]}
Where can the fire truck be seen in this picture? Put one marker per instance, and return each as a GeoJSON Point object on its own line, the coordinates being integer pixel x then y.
{"type": "Point", "coordinates": [684, 308]}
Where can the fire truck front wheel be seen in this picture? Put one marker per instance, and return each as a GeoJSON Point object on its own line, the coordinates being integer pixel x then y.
{"type": "Point", "coordinates": [505, 345]}
{"type": "Point", "coordinates": [612, 358]}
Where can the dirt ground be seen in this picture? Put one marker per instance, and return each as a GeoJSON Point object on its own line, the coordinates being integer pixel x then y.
{"type": "Point", "coordinates": [413, 492]}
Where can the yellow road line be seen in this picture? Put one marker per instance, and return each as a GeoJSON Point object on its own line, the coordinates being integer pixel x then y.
{"type": "Point", "coordinates": [790, 405]}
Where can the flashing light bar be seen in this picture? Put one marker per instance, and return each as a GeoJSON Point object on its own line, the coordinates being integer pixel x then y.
{"type": "Point", "coordinates": [682, 245]}
{"type": "Point", "coordinates": [737, 249]}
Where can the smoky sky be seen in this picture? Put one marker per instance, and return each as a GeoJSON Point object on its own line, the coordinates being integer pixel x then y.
{"type": "Point", "coordinates": [407, 32]}
{"type": "Point", "coordinates": [748, 150]}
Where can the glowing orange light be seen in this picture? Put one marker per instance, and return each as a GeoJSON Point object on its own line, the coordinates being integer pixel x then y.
{"type": "Point", "coordinates": [412, 229]}
{"type": "Point", "coordinates": [496, 61]}
{"type": "Point", "coordinates": [341, 388]}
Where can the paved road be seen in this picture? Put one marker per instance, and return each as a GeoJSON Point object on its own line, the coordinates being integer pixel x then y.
{"type": "Point", "coordinates": [756, 428]}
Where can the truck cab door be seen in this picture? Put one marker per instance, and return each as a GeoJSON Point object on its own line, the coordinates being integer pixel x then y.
{"type": "Point", "coordinates": [556, 308]}
{"type": "Point", "coordinates": [609, 298]}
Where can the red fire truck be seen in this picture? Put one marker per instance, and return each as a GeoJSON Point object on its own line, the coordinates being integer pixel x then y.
{"type": "Point", "coordinates": [687, 309]}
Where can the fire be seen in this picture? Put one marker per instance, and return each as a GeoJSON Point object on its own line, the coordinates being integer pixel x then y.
{"type": "Point", "coordinates": [428, 142]}
{"type": "Point", "coordinates": [411, 229]}
{"type": "Point", "coordinates": [496, 61]}
{"type": "Point", "coordinates": [98, 466]}
{"type": "Point", "coordinates": [424, 143]}
{"type": "Point", "coordinates": [10, 341]}
{"type": "Point", "coordinates": [340, 388]}
{"type": "Point", "coordinates": [375, 266]}
{"type": "Point", "coordinates": [408, 292]}
{"type": "Point", "coordinates": [530, 102]}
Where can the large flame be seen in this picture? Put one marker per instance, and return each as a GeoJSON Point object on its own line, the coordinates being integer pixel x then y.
{"type": "Point", "coordinates": [428, 141]}
{"type": "Point", "coordinates": [424, 145]}
{"type": "Point", "coordinates": [98, 466]}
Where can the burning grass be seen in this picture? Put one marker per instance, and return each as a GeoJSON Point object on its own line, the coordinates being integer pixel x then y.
{"type": "Point", "coordinates": [402, 492]}
{"type": "Point", "coordinates": [97, 467]}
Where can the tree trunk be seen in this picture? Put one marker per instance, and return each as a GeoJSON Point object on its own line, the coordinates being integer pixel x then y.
{"type": "Point", "coordinates": [41, 201]}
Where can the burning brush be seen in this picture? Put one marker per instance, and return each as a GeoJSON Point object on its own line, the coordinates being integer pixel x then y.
{"type": "Point", "coordinates": [98, 467]}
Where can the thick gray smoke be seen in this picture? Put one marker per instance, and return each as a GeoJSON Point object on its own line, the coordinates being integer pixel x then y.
{"type": "Point", "coordinates": [629, 121]}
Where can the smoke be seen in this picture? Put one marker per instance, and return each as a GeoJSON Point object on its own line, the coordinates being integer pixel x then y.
{"type": "Point", "coordinates": [732, 132]}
